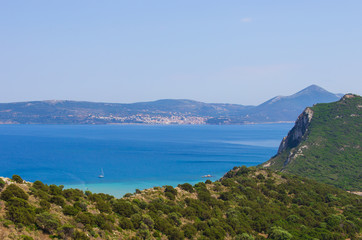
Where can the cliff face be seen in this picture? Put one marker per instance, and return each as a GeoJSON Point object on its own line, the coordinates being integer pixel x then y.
{"type": "Point", "coordinates": [325, 144]}
{"type": "Point", "coordinates": [297, 133]}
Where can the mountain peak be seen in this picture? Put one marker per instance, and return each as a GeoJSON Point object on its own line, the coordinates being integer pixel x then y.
{"type": "Point", "coordinates": [311, 89]}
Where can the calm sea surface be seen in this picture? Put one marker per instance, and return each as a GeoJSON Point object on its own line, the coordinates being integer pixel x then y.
{"type": "Point", "coordinates": [132, 156]}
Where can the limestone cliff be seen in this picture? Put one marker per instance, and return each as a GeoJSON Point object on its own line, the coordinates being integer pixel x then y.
{"type": "Point", "coordinates": [325, 144]}
{"type": "Point", "coordinates": [298, 132]}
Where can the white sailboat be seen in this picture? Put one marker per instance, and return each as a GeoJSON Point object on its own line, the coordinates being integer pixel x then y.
{"type": "Point", "coordinates": [102, 174]}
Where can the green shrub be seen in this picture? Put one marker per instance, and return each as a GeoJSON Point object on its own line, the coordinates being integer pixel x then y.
{"type": "Point", "coordinates": [123, 208]}
{"type": "Point", "coordinates": [81, 206]}
{"type": "Point", "coordinates": [143, 232]}
{"type": "Point", "coordinates": [148, 221]}
{"type": "Point", "coordinates": [80, 236]}
{"type": "Point", "coordinates": [260, 176]}
{"type": "Point", "coordinates": [73, 194]}
{"type": "Point", "coordinates": [85, 218]}
{"type": "Point", "coordinates": [244, 236]}
{"type": "Point", "coordinates": [170, 196]}
{"type": "Point", "coordinates": [189, 230]}
{"type": "Point", "coordinates": [17, 179]}
{"type": "Point", "coordinates": [47, 222]}
{"type": "Point", "coordinates": [175, 234]}
{"type": "Point", "coordinates": [125, 223]}
{"type": "Point", "coordinates": [103, 206]}
{"type": "Point", "coordinates": [55, 190]}
{"type": "Point", "coordinates": [13, 191]}
{"type": "Point", "coordinates": [44, 204]}
{"type": "Point", "coordinates": [136, 220]}
{"type": "Point", "coordinates": [40, 186]}
{"type": "Point", "coordinates": [279, 233]}
{"type": "Point", "coordinates": [127, 195]}
{"type": "Point", "coordinates": [187, 187]}
{"type": "Point", "coordinates": [40, 194]}
{"type": "Point", "coordinates": [66, 231]}
{"type": "Point", "coordinates": [104, 222]}
{"type": "Point", "coordinates": [175, 218]}
{"type": "Point", "coordinates": [2, 184]}
{"type": "Point", "coordinates": [58, 200]}
{"type": "Point", "coordinates": [171, 190]}
{"type": "Point", "coordinates": [19, 211]}
{"type": "Point", "coordinates": [70, 210]}
{"type": "Point", "coordinates": [24, 237]}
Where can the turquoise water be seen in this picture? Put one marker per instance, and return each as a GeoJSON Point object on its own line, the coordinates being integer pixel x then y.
{"type": "Point", "coordinates": [132, 156]}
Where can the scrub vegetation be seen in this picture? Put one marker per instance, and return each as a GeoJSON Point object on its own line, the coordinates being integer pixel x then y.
{"type": "Point", "coordinates": [247, 203]}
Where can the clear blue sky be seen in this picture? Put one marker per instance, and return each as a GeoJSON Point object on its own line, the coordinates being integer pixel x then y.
{"type": "Point", "coordinates": [213, 51]}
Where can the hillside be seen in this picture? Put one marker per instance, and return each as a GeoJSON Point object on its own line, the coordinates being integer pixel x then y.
{"type": "Point", "coordinates": [166, 111]}
{"type": "Point", "coordinates": [247, 203]}
{"type": "Point", "coordinates": [325, 144]}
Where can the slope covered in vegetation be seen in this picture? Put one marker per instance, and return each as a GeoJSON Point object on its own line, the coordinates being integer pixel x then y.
{"type": "Point", "coordinates": [247, 203]}
{"type": "Point", "coordinates": [325, 144]}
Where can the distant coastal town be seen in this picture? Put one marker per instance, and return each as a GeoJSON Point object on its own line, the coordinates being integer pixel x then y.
{"type": "Point", "coordinates": [174, 118]}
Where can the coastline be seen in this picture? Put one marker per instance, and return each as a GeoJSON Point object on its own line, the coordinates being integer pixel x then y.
{"type": "Point", "coordinates": [119, 189]}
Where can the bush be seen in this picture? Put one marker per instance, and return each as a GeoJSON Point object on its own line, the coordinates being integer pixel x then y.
{"type": "Point", "coordinates": [66, 231]}
{"type": "Point", "coordinates": [2, 184]}
{"type": "Point", "coordinates": [103, 206]}
{"type": "Point", "coordinates": [19, 211]}
{"type": "Point", "coordinates": [171, 190]}
{"type": "Point", "coordinates": [85, 218]}
{"type": "Point", "coordinates": [81, 206]}
{"type": "Point", "coordinates": [187, 187]}
{"type": "Point", "coordinates": [103, 222]}
{"type": "Point", "coordinates": [24, 237]}
{"type": "Point", "coordinates": [70, 210]}
{"type": "Point", "coordinates": [47, 222]}
{"type": "Point", "coordinates": [55, 190]}
{"type": "Point", "coordinates": [148, 221]}
{"type": "Point", "coordinates": [125, 223]}
{"type": "Point", "coordinates": [123, 208]}
{"type": "Point", "coordinates": [58, 200]}
{"type": "Point", "coordinates": [189, 230]}
{"type": "Point", "coordinates": [40, 186]}
{"type": "Point", "coordinates": [127, 195]}
{"type": "Point", "coordinates": [260, 176]}
{"type": "Point", "coordinates": [170, 196]}
{"type": "Point", "coordinates": [80, 236]}
{"type": "Point", "coordinates": [279, 233]}
{"type": "Point", "coordinates": [73, 194]}
{"type": "Point", "coordinates": [44, 204]}
{"type": "Point", "coordinates": [244, 236]}
{"type": "Point", "coordinates": [17, 179]}
{"type": "Point", "coordinates": [13, 191]}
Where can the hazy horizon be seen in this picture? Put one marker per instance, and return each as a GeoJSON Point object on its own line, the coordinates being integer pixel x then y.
{"type": "Point", "coordinates": [237, 52]}
{"type": "Point", "coordinates": [168, 99]}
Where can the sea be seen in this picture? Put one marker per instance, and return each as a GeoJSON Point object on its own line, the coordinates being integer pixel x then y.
{"type": "Point", "coordinates": [133, 156]}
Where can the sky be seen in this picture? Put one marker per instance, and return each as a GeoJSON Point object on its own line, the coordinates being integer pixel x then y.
{"type": "Point", "coordinates": [242, 52]}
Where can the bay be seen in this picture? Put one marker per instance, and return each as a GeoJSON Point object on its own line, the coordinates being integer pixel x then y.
{"type": "Point", "coordinates": [132, 156]}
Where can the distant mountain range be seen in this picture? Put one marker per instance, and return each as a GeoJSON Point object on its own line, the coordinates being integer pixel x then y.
{"type": "Point", "coordinates": [167, 111]}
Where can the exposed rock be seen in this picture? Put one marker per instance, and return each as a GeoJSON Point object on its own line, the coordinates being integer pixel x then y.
{"type": "Point", "coordinates": [297, 133]}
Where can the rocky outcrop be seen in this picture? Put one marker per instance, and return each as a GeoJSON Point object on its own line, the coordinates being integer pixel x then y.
{"type": "Point", "coordinates": [298, 132]}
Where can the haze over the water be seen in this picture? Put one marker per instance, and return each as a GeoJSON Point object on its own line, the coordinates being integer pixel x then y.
{"type": "Point", "coordinates": [128, 51]}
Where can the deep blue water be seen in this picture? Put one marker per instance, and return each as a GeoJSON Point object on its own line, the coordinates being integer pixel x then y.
{"type": "Point", "coordinates": [132, 156]}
